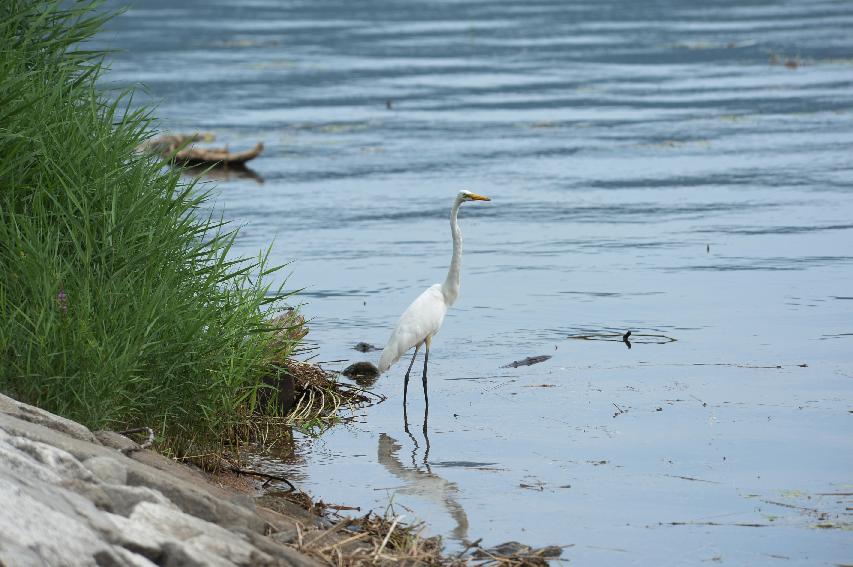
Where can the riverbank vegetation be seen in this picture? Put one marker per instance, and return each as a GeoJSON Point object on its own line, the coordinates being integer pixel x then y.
{"type": "Point", "coordinates": [120, 302]}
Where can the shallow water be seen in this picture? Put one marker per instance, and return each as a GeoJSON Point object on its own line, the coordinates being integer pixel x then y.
{"type": "Point", "coordinates": [669, 169]}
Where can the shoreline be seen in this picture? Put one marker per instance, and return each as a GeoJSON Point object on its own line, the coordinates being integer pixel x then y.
{"type": "Point", "coordinates": [76, 497]}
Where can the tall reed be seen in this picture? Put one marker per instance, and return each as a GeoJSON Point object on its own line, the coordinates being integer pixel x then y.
{"type": "Point", "coordinates": [121, 304]}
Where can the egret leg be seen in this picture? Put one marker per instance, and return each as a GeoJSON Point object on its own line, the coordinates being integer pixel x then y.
{"type": "Point", "coordinates": [406, 382]}
{"type": "Point", "coordinates": [426, 402]}
{"type": "Point", "coordinates": [426, 361]}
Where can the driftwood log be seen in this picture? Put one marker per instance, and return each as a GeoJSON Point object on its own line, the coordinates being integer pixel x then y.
{"type": "Point", "coordinates": [181, 148]}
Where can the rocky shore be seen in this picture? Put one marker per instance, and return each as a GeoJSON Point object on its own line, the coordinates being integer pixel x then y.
{"type": "Point", "coordinates": [70, 496]}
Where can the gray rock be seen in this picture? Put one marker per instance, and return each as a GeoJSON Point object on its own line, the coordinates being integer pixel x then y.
{"type": "Point", "coordinates": [107, 469]}
{"type": "Point", "coordinates": [24, 466]}
{"type": "Point", "coordinates": [33, 414]}
{"type": "Point", "coordinates": [129, 559]}
{"type": "Point", "coordinates": [178, 555]}
{"type": "Point", "coordinates": [123, 499]}
{"type": "Point", "coordinates": [274, 547]}
{"type": "Point", "coordinates": [81, 449]}
{"type": "Point", "coordinates": [196, 502]}
{"type": "Point", "coordinates": [245, 501]}
{"type": "Point", "coordinates": [59, 461]}
{"type": "Point", "coordinates": [285, 536]}
{"type": "Point", "coordinates": [118, 557]}
{"type": "Point", "coordinates": [117, 441]}
{"type": "Point", "coordinates": [90, 491]}
{"type": "Point", "coordinates": [140, 538]}
{"type": "Point", "coordinates": [363, 373]}
{"type": "Point", "coordinates": [236, 551]}
{"type": "Point", "coordinates": [200, 537]}
{"type": "Point", "coordinates": [68, 499]}
{"type": "Point", "coordinates": [35, 532]}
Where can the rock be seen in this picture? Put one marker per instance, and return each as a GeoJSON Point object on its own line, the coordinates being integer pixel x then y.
{"type": "Point", "coordinates": [47, 525]}
{"type": "Point", "coordinates": [23, 465]}
{"type": "Point", "coordinates": [196, 502]}
{"type": "Point", "coordinates": [59, 461]}
{"type": "Point", "coordinates": [140, 538]}
{"type": "Point", "coordinates": [364, 373]}
{"type": "Point", "coordinates": [200, 536]}
{"type": "Point", "coordinates": [117, 441]}
{"type": "Point", "coordinates": [126, 559]}
{"type": "Point", "coordinates": [286, 536]}
{"type": "Point", "coordinates": [273, 547]}
{"type": "Point", "coordinates": [91, 491]}
{"type": "Point", "coordinates": [106, 470]}
{"type": "Point", "coordinates": [277, 503]}
{"type": "Point", "coordinates": [513, 552]}
{"type": "Point", "coordinates": [69, 501]}
{"type": "Point", "coordinates": [37, 415]}
{"type": "Point", "coordinates": [80, 449]}
{"type": "Point", "coordinates": [124, 499]}
{"type": "Point", "coordinates": [177, 555]}
{"type": "Point", "coordinates": [245, 501]}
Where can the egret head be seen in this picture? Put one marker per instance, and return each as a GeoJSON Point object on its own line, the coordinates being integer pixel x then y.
{"type": "Point", "coordinates": [469, 196]}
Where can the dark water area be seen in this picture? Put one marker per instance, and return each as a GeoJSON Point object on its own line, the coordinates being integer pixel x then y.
{"type": "Point", "coordinates": [669, 168]}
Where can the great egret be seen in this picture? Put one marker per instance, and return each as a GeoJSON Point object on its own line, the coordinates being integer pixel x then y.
{"type": "Point", "coordinates": [422, 319]}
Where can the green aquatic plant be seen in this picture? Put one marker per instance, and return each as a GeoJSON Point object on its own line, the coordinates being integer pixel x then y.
{"type": "Point", "coordinates": [121, 303]}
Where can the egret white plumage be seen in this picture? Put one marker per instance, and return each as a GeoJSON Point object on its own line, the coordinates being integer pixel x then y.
{"type": "Point", "coordinates": [423, 318]}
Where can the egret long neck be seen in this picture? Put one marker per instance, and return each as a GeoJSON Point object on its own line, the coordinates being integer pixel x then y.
{"type": "Point", "coordinates": [450, 287]}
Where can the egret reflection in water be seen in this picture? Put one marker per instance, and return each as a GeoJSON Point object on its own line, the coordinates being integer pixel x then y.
{"type": "Point", "coordinates": [420, 481]}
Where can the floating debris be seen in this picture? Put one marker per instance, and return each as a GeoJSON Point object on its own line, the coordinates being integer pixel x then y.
{"type": "Point", "coordinates": [181, 149]}
{"type": "Point", "coordinates": [635, 338]}
{"type": "Point", "coordinates": [529, 361]}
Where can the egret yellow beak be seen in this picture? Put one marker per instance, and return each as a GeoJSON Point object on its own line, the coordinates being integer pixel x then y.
{"type": "Point", "coordinates": [475, 197]}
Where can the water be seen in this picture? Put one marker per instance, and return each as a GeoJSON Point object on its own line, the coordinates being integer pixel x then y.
{"type": "Point", "coordinates": [666, 168]}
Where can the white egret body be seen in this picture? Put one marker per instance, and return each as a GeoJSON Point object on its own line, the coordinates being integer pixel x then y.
{"type": "Point", "coordinates": [423, 318]}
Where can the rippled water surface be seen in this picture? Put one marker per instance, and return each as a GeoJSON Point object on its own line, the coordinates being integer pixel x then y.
{"type": "Point", "coordinates": [670, 168]}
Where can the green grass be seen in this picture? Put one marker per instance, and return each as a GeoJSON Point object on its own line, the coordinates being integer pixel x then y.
{"type": "Point", "coordinates": [120, 303]}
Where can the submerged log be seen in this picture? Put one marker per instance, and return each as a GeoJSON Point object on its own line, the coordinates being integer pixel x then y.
{"type": "Point", "coordinates": [180, 148]}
